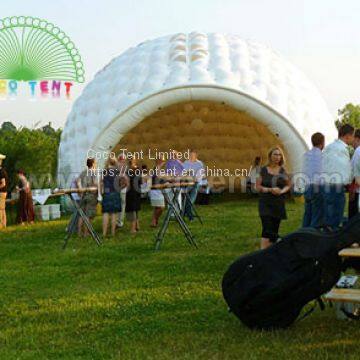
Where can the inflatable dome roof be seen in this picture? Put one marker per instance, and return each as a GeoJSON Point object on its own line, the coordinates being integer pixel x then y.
{"type": "Point", "coordinates": [192, 67]}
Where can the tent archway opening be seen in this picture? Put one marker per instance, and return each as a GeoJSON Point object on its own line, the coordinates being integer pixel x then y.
{"type": "Point", "coordinates": [227, 140]}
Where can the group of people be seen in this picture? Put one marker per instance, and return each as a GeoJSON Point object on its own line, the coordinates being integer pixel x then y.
{"type": "Point", "coordinates": [332, 170]}
{"type": "Point", "coordinates": [121, 187]}
{"type": "Point", "coordinates": [25, 209]}
{"type": "Point", "coordinates": [328, 172]}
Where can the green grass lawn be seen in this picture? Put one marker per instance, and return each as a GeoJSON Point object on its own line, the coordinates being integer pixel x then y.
{"type": "Point", "coordinates": [124, 301]}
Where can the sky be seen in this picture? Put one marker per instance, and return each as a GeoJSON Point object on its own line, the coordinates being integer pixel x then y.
{"type": "Point", "coordinates": [318, 36]}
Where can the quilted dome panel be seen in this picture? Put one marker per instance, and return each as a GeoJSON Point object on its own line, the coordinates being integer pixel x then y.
{"type": "Point", "coordinates": [190, 60]}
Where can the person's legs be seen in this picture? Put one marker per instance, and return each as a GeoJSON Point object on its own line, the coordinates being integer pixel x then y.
{"type": "Point", "coordinates": [329, 204]}
{"type": "Point", "coordinates": [276, 225]}
{"type": "Point", "coordinates": [105, 223]}
{"type": "Point", "coordinates": [114, 218]}
{"type": "Point", "coordinates": [2, 218]}
{"type": "Point", "coordinates": [158, 213]}
{"type": "Point", "coordinates": [121, 216]}
{"type": "Point", "coordinates": [83, 204]}
{"type": "Point", "coordinates": [270, 232]}
{"type": "Point", "coordinates": [265, 242]}
{"type": "Point", "coordinates": [307, 207]}
{"type": "Point", "coordinates": [191, 200]}
{"type": "Point", "coordinates": [317, 207]}
{"type": "Point", "coordinates": [131, 218]}
{"type": "Point", "coordinates": [265, 238]}
{"type": "Point", "coordinates": [188, 211]}
{"type": "Point", "coordinates": [153, 219]}
{"type": "Point", "coordinates": [30, 209]}
{"type": "Point", "coordinates": [334, 197]}
{"type": "Point", "coordinates": [193, 193]}
{"type": "Point", "coordinates": [357, 203]}
{"type": "Point", "coordinates": [2, 210]}
{"type": "Point", "coordinates": [133, 227]}
{"type": "Point", "coordinates": [137, 221]}
{"type": "Point", "coordinates": [353, 204]}
{"type": "Point", "coordinates": [339, 206]}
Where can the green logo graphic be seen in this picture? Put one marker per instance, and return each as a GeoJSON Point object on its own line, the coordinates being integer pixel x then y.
{"type": "Point", "coordinates": [34, 49]}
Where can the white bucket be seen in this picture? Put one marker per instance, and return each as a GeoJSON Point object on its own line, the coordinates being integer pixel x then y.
{"type": "Point", "coordinates": [42, 212]}
{"type": "Point", "coordinates": [55, 215]}
{"type": "Point", "coordinates": [54, 209]}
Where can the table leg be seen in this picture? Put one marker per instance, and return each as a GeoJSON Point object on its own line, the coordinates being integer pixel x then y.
{"type": "Point", "coordinates": [87, 223]}
{"type": "Point", "coordinates": [173, 208]}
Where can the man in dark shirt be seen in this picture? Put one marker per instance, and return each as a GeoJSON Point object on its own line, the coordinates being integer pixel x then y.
{"type": "Point", "coordinates": [3, 190]}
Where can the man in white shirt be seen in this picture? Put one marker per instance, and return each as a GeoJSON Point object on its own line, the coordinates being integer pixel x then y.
{"type": "Point", "coordinates": [354, 188]}
{"type": "Point", "coordinates": [194, 167]}
{"type": "Point", "coordinates": [337, 174]}
{"type": "Point", "coordinates": [312, 169]}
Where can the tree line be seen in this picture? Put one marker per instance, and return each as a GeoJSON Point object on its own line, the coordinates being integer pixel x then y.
{"type": "Point", "coordinates": [33, 150]}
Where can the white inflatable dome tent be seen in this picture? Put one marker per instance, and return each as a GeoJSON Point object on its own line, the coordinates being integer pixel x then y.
{"type": "Point", "coordinates": [229, 98]}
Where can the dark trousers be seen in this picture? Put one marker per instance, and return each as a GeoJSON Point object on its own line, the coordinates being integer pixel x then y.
{"type": "Point", "coordinates": [334, 197]}
{"type": "Point", "coordinates": [353, 205]}
{"type": "Point", "coordinates": [270, 228]}
{"type": "Point", "coordinates": [314, 206]}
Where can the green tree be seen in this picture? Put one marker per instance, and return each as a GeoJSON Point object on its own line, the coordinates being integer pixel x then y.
{"type": "Point", "coordinates": [32, 150]}
{"type": "Point", "coordinates": [349, 114]}
{"type": "Point", "coordinates": [8, 125]}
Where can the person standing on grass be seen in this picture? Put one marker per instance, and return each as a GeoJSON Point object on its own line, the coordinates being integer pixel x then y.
{"type": "Point", "coordinates": [156, 196]}
{"type": "Point", "coordinates": [26, 212]}
{"type": "Point", "coordinates": [125, 182]}
{"type": "Point", "coordinates": [111, 201]}
{"type": "Point", "coordinates": [337, 174]}
{"type": "Point", "coordinates": [354, 187]}
{"type": "Point", "coordinates": [4, 183]}
{"type": "Point", "coordinates": [88, 178]}
{"type": "Point", "coordinates": [254, 173]}
{"type": "Point", "coordinates": [314, 196]}
{"type": "Point", "coordinates": [194, 167]}
{"type": "Point", "coordinates": [272, 184]}
{"type": "Point", "coordinates": [175, 168]}
{"type": "Point", "coordinates": [133, 196]}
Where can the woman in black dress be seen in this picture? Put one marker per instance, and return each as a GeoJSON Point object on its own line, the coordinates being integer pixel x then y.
{"type": "Point", "coordinates": [133, 196]}
{"type": "Point", "coordinates": [111, 201]}
{"type": "Point", "coordinates": [272, 184]}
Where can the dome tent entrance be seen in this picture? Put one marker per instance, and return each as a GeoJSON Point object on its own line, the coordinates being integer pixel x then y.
{"type": "Point", "coordinates": [247, 77]}
{"type": "Point", "coordinates": [226, 139]}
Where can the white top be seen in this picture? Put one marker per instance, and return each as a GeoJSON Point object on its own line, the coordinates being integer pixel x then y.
{"type": "Point", "coordinates": [336, 163]}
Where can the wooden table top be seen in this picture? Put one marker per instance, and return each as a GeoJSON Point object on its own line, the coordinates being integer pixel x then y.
{"type": "Point", "coordinates": [350, 252]}
{"type": "Point", "coordinates": [344, 295]}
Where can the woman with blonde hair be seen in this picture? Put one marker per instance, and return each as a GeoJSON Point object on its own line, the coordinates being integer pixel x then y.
{"type": "Point", "coordinates": [272, 184]}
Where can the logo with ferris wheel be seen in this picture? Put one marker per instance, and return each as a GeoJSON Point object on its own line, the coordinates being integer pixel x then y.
{"type": "Point", "coordinates": [34, 50]}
